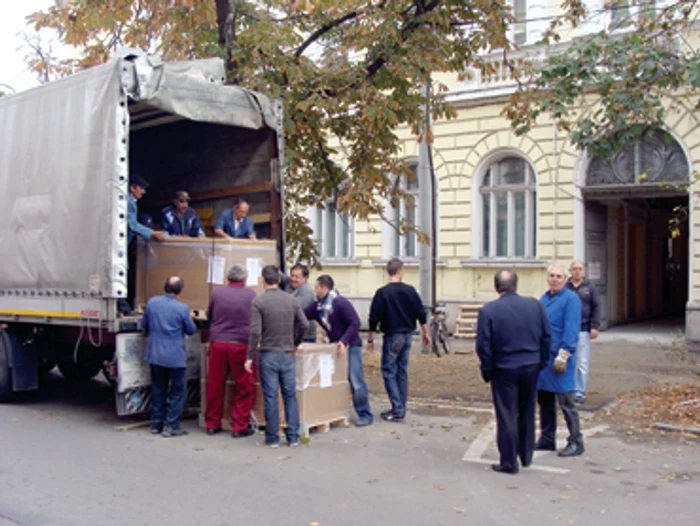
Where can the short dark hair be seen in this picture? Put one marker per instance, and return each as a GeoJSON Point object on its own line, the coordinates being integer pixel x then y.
{"type": "Point", "coordinates": [304, 269]}
{"type": "Point", "coordinates": [505, 280]}
{"type": "Point", "coordinates": [174, 285]}
{"type": "Point", "coordinates": [325, 281]}
{"type": "Point", "coordinates": [271, 274]}
{"type": "Point", "coordinates": [394, 265]}
{"type": "Point", "coordinates": [238, 201]}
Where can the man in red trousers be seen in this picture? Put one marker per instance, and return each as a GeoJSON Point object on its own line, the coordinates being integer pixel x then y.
{"type": "Point", "coordinates": [229, 317]}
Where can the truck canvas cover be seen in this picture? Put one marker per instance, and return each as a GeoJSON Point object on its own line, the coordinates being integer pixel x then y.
{"type": "Point", "coordinates": [64, 166]}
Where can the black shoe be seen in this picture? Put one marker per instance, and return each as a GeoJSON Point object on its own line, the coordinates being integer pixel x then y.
{"type": "Point", "coordinates": [168, 432]}
{"type": "Point", "coordinates": [573, 449]}
{"type": "Point", "coordinates": [156, 430]}
{"type": "Point", "coordinates": [541, 445]}
{"type": "Point", "coordinates": [391, 417]}
{"type": "Point", "coordinates": [363, 422]}
{"type": "Point", "coordinates": [245, 433]}
{"type": "Point", "coordinates": [526, 464]}
{"type": "Point", "coordinates": [498, 468]}
{"type": "Point", "coordinates": [124, 308]}
{"type": "Point", "coordinates": [213, 431]}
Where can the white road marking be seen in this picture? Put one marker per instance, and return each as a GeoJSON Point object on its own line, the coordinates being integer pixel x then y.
{"type": "Point", "coordinates": [477, 448]}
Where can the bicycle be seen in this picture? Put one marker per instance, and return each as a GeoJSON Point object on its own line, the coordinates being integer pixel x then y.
{"type": "Point", "coordinates": [439, 337]}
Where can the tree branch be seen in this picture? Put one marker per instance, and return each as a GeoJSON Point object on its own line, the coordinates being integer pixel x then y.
{"type": "Point", "coordinates": [323, 30]}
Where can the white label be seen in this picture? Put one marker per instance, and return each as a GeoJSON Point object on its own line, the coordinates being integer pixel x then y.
{"type": "Point", "coordinates": [326, 369]}
{"type": "Point", "coordinates": [254, 268]}
{"type": "Point", "coordinates": [95, 284]}
{"type": "Point", "coordinates": [594, 270]}
{"type": "Point", "coordinates": [217, 268]}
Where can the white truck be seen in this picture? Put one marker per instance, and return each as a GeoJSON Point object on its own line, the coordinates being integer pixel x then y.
{"type": "Point", "coordinates": [68, 150]}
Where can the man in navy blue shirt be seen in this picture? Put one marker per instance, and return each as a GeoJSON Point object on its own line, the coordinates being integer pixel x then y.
{"type": "Point", "coordinates": [339, 319]}
{"type": "Point", "coordinates": [181, 220]}
{"type": "Point", "coordinates": [395, 309]}
{"type": "Point", "coordinates": [166, 320]}
{"type": "Point", "coordinates": [513, 341]}
{"type": "Point", "coordinates": [235, 223]}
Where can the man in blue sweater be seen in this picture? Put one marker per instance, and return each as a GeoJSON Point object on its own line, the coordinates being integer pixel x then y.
{"type": "Point", "coordinates": [513, 342]}
{"type": "Point", "coordinates": [179, 219]}
{"type": "Point", "coordinates": [395, 309]}
{"type": "Point", "coordinates": [556, 381]}
{"type": "Point", "coordinates": [166, 321]}
{"type": "Point", "coordinates": [339, 319]}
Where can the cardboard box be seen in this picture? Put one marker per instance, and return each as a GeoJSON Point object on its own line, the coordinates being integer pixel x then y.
{"type": "Point", "coordinates": [323, 390]}
{"type": "Point", "coordinates": [202, 262]}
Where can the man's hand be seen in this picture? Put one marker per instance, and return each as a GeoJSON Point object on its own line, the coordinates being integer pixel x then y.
{"type": "Point", "coordinates": [426, 339]}
{"type": "Point", "coordinates": [342, 348]}
{"type": "Point", "coordinates": [486, 376]}
{"type": "Point", "coordinates": [370, 346]}
{"type": "Point", "coordinates": [248, 366]}
{"type": "Point", "coordinates": [158, 236]}
{"type": "Point", "coordinates": [594, 334]}
{"type": "Point", "coordinates": [193, 315]}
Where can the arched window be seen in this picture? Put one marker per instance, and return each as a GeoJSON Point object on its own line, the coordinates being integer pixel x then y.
{"type": "Point", "coordinates": [332, 231]}
{"type": "Point", "coordinates": [508, 209]}
{"type": "Point", "coordinates": [395, 244]}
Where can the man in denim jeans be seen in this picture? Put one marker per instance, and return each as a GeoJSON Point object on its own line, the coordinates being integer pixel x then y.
{"type": "Point", "coordinates": [339, 319]}
{"type": "Point", "coordinates": [166, 320]}
{"type": "Point", "coordinates": [590, 323]}
{"type": "Point", "coordinates": [395, 309]}
{"type": "Point", "coordinates": [278, 325]}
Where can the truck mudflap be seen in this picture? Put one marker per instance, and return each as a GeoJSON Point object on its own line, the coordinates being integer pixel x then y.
{"type": "Point", "coordinates": [132, 392]}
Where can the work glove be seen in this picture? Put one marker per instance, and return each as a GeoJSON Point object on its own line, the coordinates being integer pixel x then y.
{"type": "Point", "coordinates": [486, 375]}
{"type": "Point", "coordinates": [560, 361]}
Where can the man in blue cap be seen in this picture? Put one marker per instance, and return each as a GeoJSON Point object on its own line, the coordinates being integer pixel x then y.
{"type": "Point", "coordinates": [137, 189]}
{"type": "Point", "coordinates": [179, 219]}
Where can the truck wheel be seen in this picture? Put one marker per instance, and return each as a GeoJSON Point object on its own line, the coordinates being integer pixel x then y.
{"type": "Point", "coordinates": [5, 372]}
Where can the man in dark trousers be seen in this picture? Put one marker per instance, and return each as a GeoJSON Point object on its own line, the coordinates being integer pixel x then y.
{"type": "Point", "coordinates": [166, 320]}
{"type": "Point", "coordinates": [556, 381]}
{"type": "Point", "coordinates": [395, 308]}
{"type": "Point", "coordinates": [339, 319]}
{"type": "Point", "coordinates": [278, 325]}
{"type": "Point", "coordinates": [229, 314]}
{"type": "Point", "coordinates": [513, 341]}
{"type": "Point", "coordinates": [590, 323]}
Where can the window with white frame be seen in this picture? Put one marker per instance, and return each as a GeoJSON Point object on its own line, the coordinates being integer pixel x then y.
{"type": "Point", "coordinates": [332, 231]}
{"type": "Point", "coordinates": [508, 209]}
{"type": "Point", "coordinates": [520, 25]}
{"type": "Point", "coordinates": [395, 244]}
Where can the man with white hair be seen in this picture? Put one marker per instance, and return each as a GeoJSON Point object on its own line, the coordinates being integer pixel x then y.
{"type": "Point", "coordinates": [229, 314]}
{"type": "Point", "coordinates": [556, 381]}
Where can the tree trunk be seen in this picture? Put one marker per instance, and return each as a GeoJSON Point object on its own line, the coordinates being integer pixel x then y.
{"type": "Point", "coordinates": [226, 21]}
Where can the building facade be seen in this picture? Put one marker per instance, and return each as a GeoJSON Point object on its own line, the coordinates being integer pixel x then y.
{"type": "Point", "coordinates": [525, 202]}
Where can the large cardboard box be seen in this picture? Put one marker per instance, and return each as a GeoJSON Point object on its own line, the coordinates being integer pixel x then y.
{"type": "Point", "coordinates": [202, 262]}
{"type": "Point", "coordinates": [323, 391]}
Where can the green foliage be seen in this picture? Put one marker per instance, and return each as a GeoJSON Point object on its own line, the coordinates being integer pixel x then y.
{"type": "Point", "coordinates": [350, 72]}
{"type": "Point", "coordinates": [624, 77]}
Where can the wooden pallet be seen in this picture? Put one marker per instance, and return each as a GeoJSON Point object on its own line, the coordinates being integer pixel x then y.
{"type": "Point", "coordinates": [305, 428]}
{"type": "Point", "coordinates": [466, 320]}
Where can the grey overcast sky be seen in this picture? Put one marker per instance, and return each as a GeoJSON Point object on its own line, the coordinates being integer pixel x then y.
{"type": "Point", "coordinates": [13, 69]}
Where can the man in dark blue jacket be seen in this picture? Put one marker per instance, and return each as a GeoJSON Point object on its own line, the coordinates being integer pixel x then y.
{"type": "Point", "coordinates": [166, 320]}
{"type": "Point", "coordinates": [181, 220]}
{"type": "Point", "coordinates": [339, 319]}
{"type": "Point", "coordinates": [513, 341]}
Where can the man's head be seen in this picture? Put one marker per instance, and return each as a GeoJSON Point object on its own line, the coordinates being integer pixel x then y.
{"type": "Point", "coordinates": [505, 281]}
{"type": "Point", "coordinates": [174, 285]}
{"type": "Point", "coordinates": [578, 270]}
{"type": "Point", "coordinates": [395, 268]}
{"type": "Point", "coordinates": [324, 284]}
{"type": "Point", "coordinates": [298, 275]}
{"type": "Point", "coordinates": [240, 208]}
{"type": "Point", "coordinates": [182, 201]}
{"type": "Point", "coordinates": [556, 278]}
{"type": "Point", "coordinates": [237, 274]}
{"type": "Point", "coordinates": [137, 186]}
{"type": "Point", "coordinates": [271, 276]}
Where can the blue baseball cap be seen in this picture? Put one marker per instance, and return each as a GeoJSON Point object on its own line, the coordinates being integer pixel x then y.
{"type": "Point", "coordinates": [137, 180]}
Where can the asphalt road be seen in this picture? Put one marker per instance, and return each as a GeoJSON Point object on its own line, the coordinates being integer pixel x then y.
{"type": "Point", "coordinates": [63, 463]}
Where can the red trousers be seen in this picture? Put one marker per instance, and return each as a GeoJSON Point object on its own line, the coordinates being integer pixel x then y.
{"type": "Point", "coordinates": [225, 357]}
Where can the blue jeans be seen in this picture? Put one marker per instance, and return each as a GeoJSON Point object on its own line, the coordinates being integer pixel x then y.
{"type": "Point", "coordinates": [278, 371]}
{"type": "Point", "coordinates": [170, 383]}
{"type": "Point", "coordinates": [396, 349]}
{"type": "Point", "coordinates": [583, 353]}
{"type": "Point", "coordinates": [360, 393]}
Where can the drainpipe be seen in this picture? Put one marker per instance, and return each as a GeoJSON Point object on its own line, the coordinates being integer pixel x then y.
{"type": "Point", "coordinates": [555, 183]}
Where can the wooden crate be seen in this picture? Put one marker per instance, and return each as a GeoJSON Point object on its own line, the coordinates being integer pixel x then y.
{"type": "Point", "coordinates": [466, 320]}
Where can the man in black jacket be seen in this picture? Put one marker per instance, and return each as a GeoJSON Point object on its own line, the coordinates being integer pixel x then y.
{"type": "Point", "coordinates": [513, 340]}
{"type": "Point", "coordinates": [590, 323]}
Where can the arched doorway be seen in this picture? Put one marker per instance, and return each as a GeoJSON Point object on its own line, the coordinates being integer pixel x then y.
{"type": "Point", "coordinates": [640, 266]}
